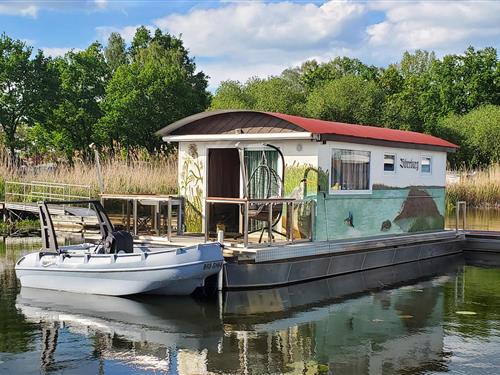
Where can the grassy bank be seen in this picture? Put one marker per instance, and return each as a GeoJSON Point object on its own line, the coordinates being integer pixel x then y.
{"type": "Point", "coordinates": [153, 176]}
{"type": "Point", "coordinates": [477, 188]}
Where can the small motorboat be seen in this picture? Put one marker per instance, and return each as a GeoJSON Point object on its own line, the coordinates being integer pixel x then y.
{"type": "Point", "coordinates": [114, 266]}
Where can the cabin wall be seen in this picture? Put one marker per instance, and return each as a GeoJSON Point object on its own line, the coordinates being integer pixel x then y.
{"type": "Point", "coordinates": [404, 201]}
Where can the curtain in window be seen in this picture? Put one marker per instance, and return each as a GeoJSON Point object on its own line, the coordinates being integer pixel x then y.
{"type": "Point", "coordinates": [258, 187]}
{"type": "Point", "coordinates": [350, 170]}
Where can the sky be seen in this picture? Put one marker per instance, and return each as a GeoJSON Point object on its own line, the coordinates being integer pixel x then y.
{"type": "Point", "coordinates": [245, 38]}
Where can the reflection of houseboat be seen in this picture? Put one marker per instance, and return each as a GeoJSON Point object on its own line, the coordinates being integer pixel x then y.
{"type": "Point", "coordinates": [301, 198]}
{"type": "Point", "coordinates": [333, 323]}
{"type": "Point", "coordinates": [147, 333]}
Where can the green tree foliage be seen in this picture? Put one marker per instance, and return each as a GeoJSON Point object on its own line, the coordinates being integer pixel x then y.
{"type": "Point", "coordinates": [417, 63]}
{"type": "Point", "coordinates": [464, 82]}
{"type": "Point", "coordinates": [115, 52]}
{"type": "Point", "coordinates": [477, 133]}
{"type": "Point", "coordinates": [27, 88]}
{"type": "Point", "coordinates": [315, 74]}
{"type": "Point", "coordinates": [232, 94]}
{"type": "Point", "coordinates": [276, 94]}
{"type": "Point", "coordinates": [348, 99]}
{"type": "Point", "coordinates": [71, 125]}
{"type": "Point", "coordinates": [159, 86]}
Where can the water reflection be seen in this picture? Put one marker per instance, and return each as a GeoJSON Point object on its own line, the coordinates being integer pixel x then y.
{"type": "Point", "coordinates": [477, 219]}
{"type": "Point", "coordinates": [392, 320]}
{"type": "Point", "coordinates": [145, 332]}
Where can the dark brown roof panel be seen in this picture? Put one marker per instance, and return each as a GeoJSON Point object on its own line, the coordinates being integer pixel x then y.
{"type": "Point", "coordinates": [230, 123]}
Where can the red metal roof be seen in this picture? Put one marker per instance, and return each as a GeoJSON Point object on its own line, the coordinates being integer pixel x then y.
{"type": "Point", "coordinates": [363, 131]}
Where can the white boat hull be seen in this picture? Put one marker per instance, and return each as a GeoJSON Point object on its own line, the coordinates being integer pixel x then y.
{"type": "Point", "coordinates": [162, 271]}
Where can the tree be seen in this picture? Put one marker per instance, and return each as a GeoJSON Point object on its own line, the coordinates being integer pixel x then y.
{"type": "Point", "coordinates": [83, 77]}
{"type": "Point", "coordinates": [276, 94]}
{"type": "Point", "coordinates": [231, 95]}
{"type": "Point", "coordinates": [315, 74]}
{"type": "Point", "coordinates": [27, 88]}
{"type": "Point", "coordinates": [464, 82]}
{"type": "Point", "coordinates": [115, 52]}
{"type": "Point", "coordinates": [477, 133]}
{"type": "Point", "coordinates": [158, 87]}
{"type": "Point", "coordinates": [417, 63]}
{"type": "Point", "coordinates": [142, 38]}
{"type": "Point", "coordinates": [348, 99]}
{"type": "Point", "coordinates": [391, 80]}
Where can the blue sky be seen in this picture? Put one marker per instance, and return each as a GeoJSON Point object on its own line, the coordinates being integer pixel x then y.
{"type": "Point", "coordinates": [241, 39]}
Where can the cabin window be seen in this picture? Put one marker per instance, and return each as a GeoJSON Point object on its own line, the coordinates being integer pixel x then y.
{"type": "Point", "coordinates": [350, 170]}
{"type": "Point", "coordinates": [389, 163]}
{"type": "Point", "coordinates": [426, 165]}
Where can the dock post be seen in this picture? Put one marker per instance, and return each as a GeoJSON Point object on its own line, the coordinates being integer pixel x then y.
{"type": "Point", "coordinates": [245, 225]}
{"type": "Point", "coordinates": [464, 214]}
{"type": "Point", "coordinates": [270, 224]}
{"type": "Point", "coordinates": [134, 202]}
{"type": "Point", "coordinates": [169, 220]}
{"type": "Point", "coordinates": [207, 215]}
{"type": "Point", "coordinates": [220, 278]}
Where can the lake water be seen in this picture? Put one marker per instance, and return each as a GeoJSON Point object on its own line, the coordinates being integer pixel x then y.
{"type": "Point", "coordinates": [477, 219]}
{"type": "Point", "coordinates": [433, 317]}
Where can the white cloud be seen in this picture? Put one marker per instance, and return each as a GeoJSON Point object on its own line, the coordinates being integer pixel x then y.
{"type": "Point", "coordinates": [435, 25]}
{"type": "Point", "coordinates": [240, 40]}
{"type": "Point", "coordinates": [26, 9]}
{"type": "Point", "coordinates": [260, 26]}
{"type": "Point", "coordinates": [57, 51]}
{"type": "Point", "coordinates": [101, 4]}
{"type": "Point", "coordinates": [237, 40]}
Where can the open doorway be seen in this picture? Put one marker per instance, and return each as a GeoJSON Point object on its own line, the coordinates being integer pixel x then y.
{"type": "Point", "coordinates": [224, 181]}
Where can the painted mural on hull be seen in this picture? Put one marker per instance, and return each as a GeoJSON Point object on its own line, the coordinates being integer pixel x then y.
{"type": "Point", "coordinates": [385, 211]}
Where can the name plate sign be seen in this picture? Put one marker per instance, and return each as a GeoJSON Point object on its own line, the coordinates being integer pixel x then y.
{"type": "Point", "coordinates": [408, 164]}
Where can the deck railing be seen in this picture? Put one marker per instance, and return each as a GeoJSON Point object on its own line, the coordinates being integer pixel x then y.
{"type": "Point", "coordinates": [296, 222]}
{"type": "Point", "coordinates": [30, 192]}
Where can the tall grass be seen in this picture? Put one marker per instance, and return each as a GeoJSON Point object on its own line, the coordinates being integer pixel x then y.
{"type": "Point", "coordinates": [156, 175]}
{"type": "Point", "coordinates": [478, 188]}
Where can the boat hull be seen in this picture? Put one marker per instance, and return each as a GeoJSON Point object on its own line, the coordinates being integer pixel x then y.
{"type": "Point", "coordinates": [168, 271]}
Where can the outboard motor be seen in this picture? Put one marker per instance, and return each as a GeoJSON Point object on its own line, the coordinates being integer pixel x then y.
{"type": "Point", "coordinates": [119, 241]}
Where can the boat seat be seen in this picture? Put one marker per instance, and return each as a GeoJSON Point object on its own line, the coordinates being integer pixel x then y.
{"type": "Point", "coordinates": [119, 241]}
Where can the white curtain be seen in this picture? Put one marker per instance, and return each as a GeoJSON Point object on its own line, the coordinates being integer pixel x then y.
{"type": "Point", "coordinates": [350, 170]}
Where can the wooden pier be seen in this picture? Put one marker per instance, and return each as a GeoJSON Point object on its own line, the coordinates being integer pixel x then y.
{"type": "Point", "coordinates": [21, 200]}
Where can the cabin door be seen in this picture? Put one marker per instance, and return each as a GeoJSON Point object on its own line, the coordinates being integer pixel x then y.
{"type": "Point", "coordinates": [224, 181]}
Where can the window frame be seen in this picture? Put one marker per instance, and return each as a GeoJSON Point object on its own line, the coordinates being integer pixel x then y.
{"type": "Point", "coordinates": [395, 163]}
{"type": "Point", "coordinates": [422, 173]}
{"type": "Point", "coordinates": [349, 192]}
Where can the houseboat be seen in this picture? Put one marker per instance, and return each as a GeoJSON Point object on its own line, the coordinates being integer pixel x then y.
{"type": "Point", "coordinates": [299, 198]}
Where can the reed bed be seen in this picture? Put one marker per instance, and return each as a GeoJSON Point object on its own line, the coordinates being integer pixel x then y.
{"type": "Point", "coordinates": [154, 176]}
{"type": "Point", "coordinates": [479, 188]}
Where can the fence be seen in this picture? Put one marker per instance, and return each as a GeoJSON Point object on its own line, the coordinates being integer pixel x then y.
{"type": "Point", "coordinates": [31, 192]}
